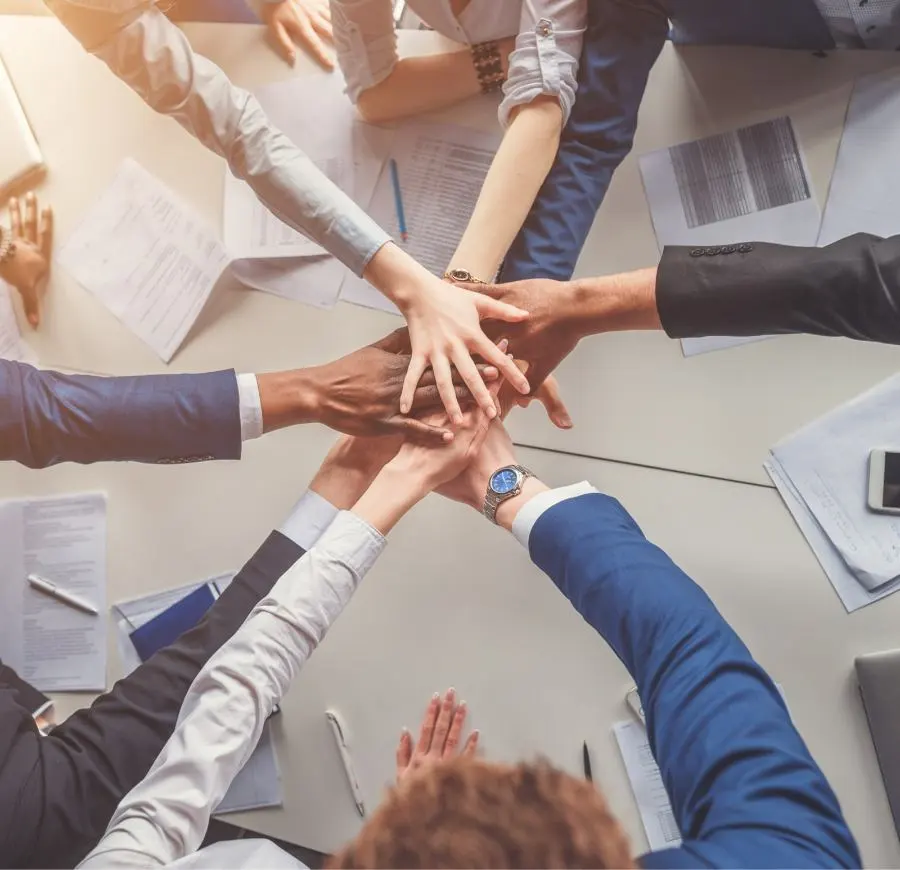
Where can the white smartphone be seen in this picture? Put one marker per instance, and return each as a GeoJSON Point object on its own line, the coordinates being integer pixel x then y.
{"type": "Point", "coordinates": [884, 481]}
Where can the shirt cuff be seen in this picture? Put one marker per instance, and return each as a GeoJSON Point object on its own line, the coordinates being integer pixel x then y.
{"type": "Point", "coordinates": [251, 407]}
{"type": "Point", "coordinates": [308, 520]}
{"type": "Point", "coordinates": [534, 509]}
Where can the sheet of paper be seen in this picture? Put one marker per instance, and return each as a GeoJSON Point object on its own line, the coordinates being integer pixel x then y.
{"type": "Point", "coordinates": [646, 782]}
{"type": "Point", "coordinates": [750, 184]}
{"type": "Point", "coordinates": [12, 347]}
{"type": "Point", "coordinates": [259, 782]}
{"type": "Point", "coordinates": [441, 168]}
{"type": "Point", "coordinates": [852, 593]}
{"type": "Point", "coordinates": [827, 464]}
{"type": "Point", "coordinates": [865, 187]}
{"type": "Point", "coordinates": [316, 115]}
{"type": "Point", "coordinates": [147, 257]}
{"type": "Point", "coordinates": [52, 645]}
{"type": "Point", "coordinates": [315, 281]}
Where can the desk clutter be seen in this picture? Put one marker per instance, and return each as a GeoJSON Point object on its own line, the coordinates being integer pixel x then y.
{"type": "Point", "coordinates": [147, 255]}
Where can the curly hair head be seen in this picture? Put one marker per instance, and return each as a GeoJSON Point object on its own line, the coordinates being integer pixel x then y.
{"type": "Point", "coordinates": [471, 813]}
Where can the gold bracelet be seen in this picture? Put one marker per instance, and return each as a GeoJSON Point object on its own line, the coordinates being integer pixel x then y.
{"type": "Point", "coordinates": [7, 246]}
{"type": "Point", "coordinates": [489, 66]}
{"type": "Point", "coordinates": [461, 276]}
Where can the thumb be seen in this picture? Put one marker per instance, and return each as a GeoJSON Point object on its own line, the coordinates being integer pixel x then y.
{"type": "Point", "coordinates": [396, 342]}
{"type": "Point", "coordinates": [30, 304]}
{"type": "Point", "coordinates": [493, 309]}
{"type": "Point", "coordinates": [549, 396]}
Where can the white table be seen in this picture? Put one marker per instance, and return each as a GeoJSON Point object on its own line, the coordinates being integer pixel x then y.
{"type": "Point", "coordinates": [480, 618]}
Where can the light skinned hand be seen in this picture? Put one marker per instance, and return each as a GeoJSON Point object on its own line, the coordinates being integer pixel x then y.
{"type": "Point", "coordinates": [439, 736]}
{"type": "Point", "coordinates": [445, 330]}
{"type": "Point", "coordinates": [29, 268]}
{"type": "Point", "coordinates": [306, 23]}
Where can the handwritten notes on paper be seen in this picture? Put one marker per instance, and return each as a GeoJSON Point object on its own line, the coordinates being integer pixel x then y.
{"type": "Point", "coordinates": [147, 257]}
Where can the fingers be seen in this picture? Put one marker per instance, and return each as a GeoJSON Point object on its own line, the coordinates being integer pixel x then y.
{"type": "Point", "coordinates": [496, 310]}
{"type": "Point", "coordinates": [283, 43]}
{"type": "Point", "coordinates": [31, 305]}
{"type": "Point", "coordinates": [45, 233]}
{"type": "Point", "coordinates": [455, 732]}
{"type": "Point", "coordinates": [444, 382]}
{"type": "Point", "coordinates": [426, 732]}
{"type": "Point", "coordinates": [469, 373]}
{"type": "Point", "coordinates": [15, 218]}
{"type": "Point", "coordinates": [506, 365]}
{"type": "Point", "coordinates": [30, 226]}
{"type": "Point", "coordinates": [302, 32]}
{"type": "Point", "coordinates": [404, 751]}
{"type": "Point", "coordinates": [442, 725]}
{"type": "Point", "coordinates": [549, 396]}
{"type": "Point", "coordinates": [321, 22]}
{"type": "Point", "coordinates": [420, 431]}
{"type": "Point", "coordinates": [395, 342]}
{"type": "Point", "coordinates": [486, 372]}
{"type": "Point", "coordinates": [413, 375]}
{"type": "Point", "coordinates": [471, 744]}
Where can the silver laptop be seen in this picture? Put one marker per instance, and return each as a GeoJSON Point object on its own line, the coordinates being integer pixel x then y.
{"type": "Point", "coordinates": [879, 684]}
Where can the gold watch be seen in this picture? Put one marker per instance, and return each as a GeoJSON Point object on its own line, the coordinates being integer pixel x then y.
{"type": "Point", "coordinates": [462, 276]}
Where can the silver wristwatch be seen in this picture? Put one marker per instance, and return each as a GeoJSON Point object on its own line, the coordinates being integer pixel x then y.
{"type": "Point", "coordinates": [505, 483]}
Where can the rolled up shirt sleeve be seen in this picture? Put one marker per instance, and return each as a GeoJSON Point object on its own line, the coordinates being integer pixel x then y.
{"type": "Point", "coordinates": [545, 60]}
{"type": "Point", "coordinates": [366, 42]}
{"type": "Point", "coordinates": [151, 55]}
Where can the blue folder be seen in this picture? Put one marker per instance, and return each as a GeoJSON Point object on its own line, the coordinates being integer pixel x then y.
{"type": "Point", "coordinates": [168, 626]}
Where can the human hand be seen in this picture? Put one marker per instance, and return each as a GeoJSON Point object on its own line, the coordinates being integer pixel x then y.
{"type": "Point", "coordinates": [300, 22]}
{"type": "Point", "coordinates": [350, 467]}
{"type": "Point", "coordinates": [439, 736]}
{"type": "Point", "coordinates": [358, 394]}
{"type": "Point", "coordinates": [444, 328]}
{"type": "Point", "coordinates": [29, 267]}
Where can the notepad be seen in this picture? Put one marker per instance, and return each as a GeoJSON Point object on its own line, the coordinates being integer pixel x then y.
{"type": "Point", "coordinates": [21, 163]}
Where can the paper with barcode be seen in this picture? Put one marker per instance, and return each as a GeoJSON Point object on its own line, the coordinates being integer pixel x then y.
{"type": "Point", "coordinates": [441, 168]}
{"type": "Point", "coordinates": [747, 185]}
{"type": "Point", "coordinates": [646, 782]}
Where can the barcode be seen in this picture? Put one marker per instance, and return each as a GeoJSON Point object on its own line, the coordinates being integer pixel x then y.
{"type": "Point", "coordinates": [738, 173]}
{"type": "Point", "coordinates": [669, 826]}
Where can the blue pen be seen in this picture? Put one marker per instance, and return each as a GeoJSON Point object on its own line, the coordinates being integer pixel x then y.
{"type": "Point", "coordinates": [398, 200]}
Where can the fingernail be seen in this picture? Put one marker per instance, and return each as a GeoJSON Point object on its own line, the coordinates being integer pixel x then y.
{"type": "Point", "coordinates": [524, 387]}
{"type": "Point", "coordinates": [436, 696]}
{"type": "Point", "coordinates": [491, 412]}
{"type": "Point", "coordinates": [32, 319]}
{"type": "Point", "coordinates": [462, 705]}
{"type": "Point", "coordinates": [504, 343]}
{"type": "Point", "coordinates": [447, 436]}
{"type": "Point", "coordinates": [451, 693]}
{"type": "Point", "coordinates": [403, 407]}
{"type": "Point", "coordinates": [458, 419]}
{"type": "Point", "coordinates": [567, 422]}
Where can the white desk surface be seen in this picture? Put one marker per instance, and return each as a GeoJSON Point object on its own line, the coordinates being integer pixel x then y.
{"type": "Point", "coordinates": [538, 679]}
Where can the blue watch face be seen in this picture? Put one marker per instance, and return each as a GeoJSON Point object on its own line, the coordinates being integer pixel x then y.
{"type": "Point", "coordinates": [504, 481]}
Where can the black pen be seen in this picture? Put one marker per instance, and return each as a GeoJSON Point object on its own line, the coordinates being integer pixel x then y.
{"type": "Point", "coordinates": [586, 756]}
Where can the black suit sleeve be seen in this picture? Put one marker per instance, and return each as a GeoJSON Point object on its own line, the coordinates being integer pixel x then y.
{"type": "Point", "coordinates": [58, 793]}
{"type": "Point", "coordinates": [850, 288]}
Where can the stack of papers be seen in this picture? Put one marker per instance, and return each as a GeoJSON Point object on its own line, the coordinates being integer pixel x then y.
{"type": "Point", "coordinates": [144, 254]}
{"type": "Point", "coordinates": [50, 644]}
{"type": "Point", "coordinates": [259, 782]}
{"type": "Point", "coordinates": [750, 184]}
{"type": "Point", "coordinates": [821, 473]}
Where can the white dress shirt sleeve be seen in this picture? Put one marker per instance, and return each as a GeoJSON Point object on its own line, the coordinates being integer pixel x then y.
{"type": "Point", "coordinates": [545, 60]}
{"type": "Point", "coordinates": [250, 407]}
{"type": "Point", "coordinates": [150, 54]}
{"type": "Point", "coordinates": [308, 519]}
{"type": "Point", "coordinates": [365, 41]}
{"type": "Point", "coordinates": [166, 815]}
{"type": "Point", "coordinates": [531, 512]}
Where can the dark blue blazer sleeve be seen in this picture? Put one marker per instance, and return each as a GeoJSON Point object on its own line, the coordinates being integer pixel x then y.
{"type": "Point", "coordinates": [47, 417]}
{"type": "Point", "coordinates": [621, 44]}
{"type": "Point", "coordinates": [743, 786]}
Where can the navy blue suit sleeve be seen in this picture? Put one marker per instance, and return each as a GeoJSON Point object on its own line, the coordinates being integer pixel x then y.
{"type": "Point", "coordinates": [743, 786]}
{"type": "Point", "coordinates": [621, 44]}
{"type": "Point", "coordinates": [47, 417]}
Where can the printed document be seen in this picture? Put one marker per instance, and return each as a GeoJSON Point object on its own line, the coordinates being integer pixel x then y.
{"type": "Point", "coordinates": [747, 185]}
{"type": "Point", "coordinates": [259, 782]}
{"type": "Point", "coordinates": [826, 462]}
{"type": "Point", "coordinates": [147, 257]}
{"type": "Point", "coordinates": [646, 782]}
{"type": "Point", "coordinates": [52, 645]}
{"type": "Point", "coordinates": [865, 187]}
{"type": "Point", "coordinates": [441, 169]}
{"type": "Point", "coordinates": [12, 347]}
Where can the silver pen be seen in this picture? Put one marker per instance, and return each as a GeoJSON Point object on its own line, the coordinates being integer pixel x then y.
{"type": "Point", "coordinates": [48, 587]}
{"type": "Point", "coordinates": [346, 760]}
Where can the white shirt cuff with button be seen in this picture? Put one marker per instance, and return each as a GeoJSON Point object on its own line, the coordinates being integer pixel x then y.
{"type": "Point", "coordinates": [542, 502]}
{"type": "Point", "coordinates": [250, 407]}
{"type": "Point", "coordinates": [308, 519]}
{"type": "Point", "coordinates": [165, 816]}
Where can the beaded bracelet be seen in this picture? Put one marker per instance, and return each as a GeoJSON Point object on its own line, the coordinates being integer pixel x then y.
{"type": "Point", "coordinates": [7, 246]}
{"type": "Point", "coordinates": [488, 65]}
